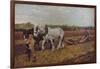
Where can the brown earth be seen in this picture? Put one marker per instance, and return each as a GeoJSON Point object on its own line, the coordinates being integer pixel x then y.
{"type": "Point", "coordinates": [70, 54]}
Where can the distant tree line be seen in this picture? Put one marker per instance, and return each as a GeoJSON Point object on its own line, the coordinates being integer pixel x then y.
{"type": "Point", "coordinates": [28, 25]}
{"type": "Point", "coordinates": [65, 27]}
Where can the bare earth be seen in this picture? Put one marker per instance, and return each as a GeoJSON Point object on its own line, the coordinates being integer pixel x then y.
{"type": "Point", "coordinates": [70, 54]}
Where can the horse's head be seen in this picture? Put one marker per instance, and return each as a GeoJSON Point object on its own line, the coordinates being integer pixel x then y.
{"type": "Point", "coordinates": [36, 31]}
{"type": "Point", "coordinates": [40, 31]}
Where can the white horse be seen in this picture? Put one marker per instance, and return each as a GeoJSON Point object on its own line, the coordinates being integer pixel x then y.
{"type": "Point", "coordinates": [51, 34]}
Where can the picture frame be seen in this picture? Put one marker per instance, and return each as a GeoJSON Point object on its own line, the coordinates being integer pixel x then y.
{"type": "Point", "coordinates": [80, 38]}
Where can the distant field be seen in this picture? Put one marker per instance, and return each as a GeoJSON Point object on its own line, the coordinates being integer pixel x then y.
{"type": "Point", "coordinates": [78, 33]}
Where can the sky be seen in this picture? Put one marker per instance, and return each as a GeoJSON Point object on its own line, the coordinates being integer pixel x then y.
{"type": "Point", "coordinates": [42, 14]}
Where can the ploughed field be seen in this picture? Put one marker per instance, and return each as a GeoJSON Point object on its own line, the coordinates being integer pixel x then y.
{"type": "Point", "coordinates": [70, 54]}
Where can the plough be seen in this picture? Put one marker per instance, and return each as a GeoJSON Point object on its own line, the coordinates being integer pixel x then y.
{"type": "Point", "coordinates": [83, 39]}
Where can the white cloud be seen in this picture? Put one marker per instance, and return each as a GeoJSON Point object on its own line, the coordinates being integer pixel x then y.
{"type": "Point", "coordinates": [54, 15]}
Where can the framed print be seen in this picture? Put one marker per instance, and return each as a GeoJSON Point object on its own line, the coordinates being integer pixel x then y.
{"type": "Point", "coordinates": [50, 34]}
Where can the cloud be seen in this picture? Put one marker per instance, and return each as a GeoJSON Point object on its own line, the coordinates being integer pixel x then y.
{"type": "Point", "coordinates": [54, 15]}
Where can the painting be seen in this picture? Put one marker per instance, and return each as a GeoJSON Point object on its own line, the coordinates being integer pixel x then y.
{"type": "Point", "coordinates": [50, 34]}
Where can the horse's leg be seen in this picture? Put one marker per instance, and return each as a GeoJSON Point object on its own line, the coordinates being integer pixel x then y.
{"type": "Point", "coordinates": [43, 42]}
{"type": "Point", "coordinates": [52, 43]}
{"type": "Point", "coordinates": [60, 42]}
{"type": "Point", "coordinates": [38, 45]}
